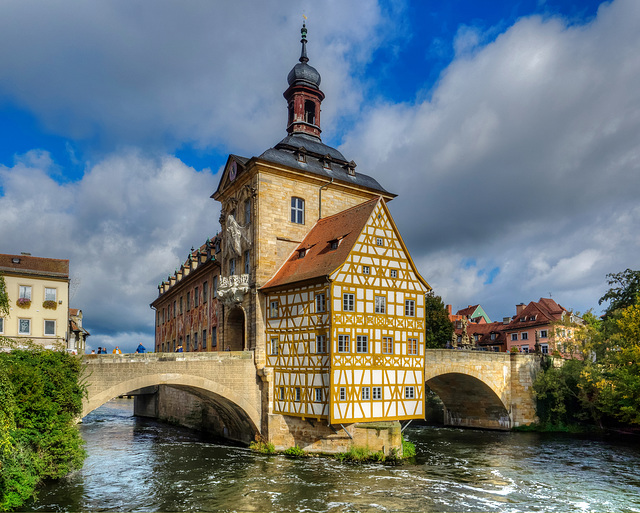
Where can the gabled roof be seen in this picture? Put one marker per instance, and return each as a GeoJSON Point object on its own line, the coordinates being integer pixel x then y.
{"type": "Point", "coordinates": [484, 332]}
{"type": "Point", "coordinates": [537, 313]}
{"type": "Point", "coordinates": [319, 259]}
{"type": "Point", "coordinates": [467, 311]}
{"type": "Point", "coordinates": [29, 265]}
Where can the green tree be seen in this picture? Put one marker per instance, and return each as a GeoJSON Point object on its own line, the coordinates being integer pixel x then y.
{"type": "Point", "coordinates": [439, 328]}
{"type": "Point", "coordinates": [4, 298]}
{"type": "Point", "coordinates": [624, 291]}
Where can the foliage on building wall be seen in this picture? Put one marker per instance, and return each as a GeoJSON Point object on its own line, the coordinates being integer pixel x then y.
{"type": "Point", "coordinates": [39, 438]}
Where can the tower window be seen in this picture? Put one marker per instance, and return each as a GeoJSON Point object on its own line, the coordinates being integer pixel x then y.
{"type": "Point", "coordinates": [297, 210]}
{"type": "Point", "coordinates": [309, 112]}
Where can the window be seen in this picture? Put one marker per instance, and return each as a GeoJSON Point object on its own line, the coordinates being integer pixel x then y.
{"type": "Point", "coordinates": [410, 308]}
{"type": "Point", "coordinates": [524, 336]}
{"type": "Point", "coordinates": [376, 393]}
{"type": "Point", "coordinates": [343, 393]}
{"type": "Point", "coordinates": [321, 344]}
{"type": "Point", "coordinates": [409, 392]}
{"type": "Point", "coordinates": [247, 211]}
{"type": "Point", "coordinates": [174, 309]}
{"type": "Point", "coordinates": [532, 318]}
{"type": "Point", "coordinates": [525, 349]}
{"type": "Point", "coordinates": [273, 309]}
{"type": "Point", "coordinates": [544, 348]}
{"type": "Point", "coordinates": [25, 292]}
{"type": "Point", "coordinates": [188, 301]}
{"type": "Point", "coordinates": [297, 389]}
{"type": "Point", "coordinates": [297, 210]}
{"type": "Point", "coordinates": [214, 293]}
{"type": "Point", "coordinates": [412, 346]}
{"type": "Point", "coordinates": [362, 344]}
{"type": "Point", "coordinates": [381, 304]}
{"type": "Point", "coordinates": [366, 269]}
{"type": "Point", "coordinates": [302, 253]}
{"type": "Point", "coordinates": [50, 328]}
{"type": "Point", "coordinates": [273, 351]}
{"type": "Point", "coordinates": [387, 345]}
{"type": "Point", "coordinates": [196, 297]}
{"type": "Point", "coordinates": [205, 292]}
{"type": "Point", "coordinates": [393, 273]}
{"type": "Point", "coordinates": [187, 346]}
{"type": "Point", "coordinates": [195, 341]}
{"type": "Point", "coordinates": [232, 267]}
{"type": "Point", "coordinates": [214, 336]}
{"type": "Point", "coordinates": [281, 395]}
{"type": "Point", "coordinates": [334, 244]}
{"type": "Point", "coordinates": [247, 262]}
{"type": "Point", "coordinates": [365, 393]}
{"type": "Point", "coordinates": [1, 325]}
{"type": "Point", "coordinates": [543, 334]}
{"type": "Point", "coordinates": [204, 339]}
{"type": "Point", "coordinates": [318, 393]}
{"type": "Point", "coordinates": [379, 241]}
{"type": "Point", "coordinates": [514, 337]}
{"type": "Point", "coordinates": [50, 294]}
{"type": "Point", "coordinates": [476, 337]}
{"type": "Point", "coordinates": [181, 309]}
{"type": "Point", "coordinates": [24, 326]}
{"type": "Point", "coordinates": [348, 302]}
{"type": "Point", "coordinates": [321, 303]}
{"type": "Point", "coordinates": [343, 343]}
{"type": "Point", "coordinates": [493, 336]}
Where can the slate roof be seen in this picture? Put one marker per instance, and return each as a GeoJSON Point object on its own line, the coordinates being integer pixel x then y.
{"type": "Point", "coordinates": [36, 266]}
{"type": "Point", "coordinates": [285, 153]}
{"type": "Point", "coordinates": [320, 260]}
{"type": "Point", "coordinates": [544, 311]}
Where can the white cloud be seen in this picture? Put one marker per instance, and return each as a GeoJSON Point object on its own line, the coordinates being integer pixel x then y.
{"type": "Point", "coordinates": [525, 156]}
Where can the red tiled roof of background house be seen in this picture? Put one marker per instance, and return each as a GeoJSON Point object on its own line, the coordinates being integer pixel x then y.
{"type": "Point", "coordinates": [319, 259]}
{"type": "Point", "coordinates": [537, 313]}
{"type": "Point", "coordinates": [30, 265]}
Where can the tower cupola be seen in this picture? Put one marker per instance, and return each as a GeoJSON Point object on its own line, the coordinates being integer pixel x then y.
{"type": "Point", "coordinates": [304, 95]}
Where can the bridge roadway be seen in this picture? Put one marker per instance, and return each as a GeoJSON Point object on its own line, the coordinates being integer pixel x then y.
{"type": "Point", "coordinates": [478, 389]}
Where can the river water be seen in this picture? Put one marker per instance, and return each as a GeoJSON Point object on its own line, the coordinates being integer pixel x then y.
{"type": "Point", "coordinates": [138, 464]}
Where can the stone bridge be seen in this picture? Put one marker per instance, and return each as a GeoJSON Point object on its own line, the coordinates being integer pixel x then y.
{"type": "Point", "coordinates": [220, 388]}
{"type": "Point", "coordinates": [483, 389]}
{"type": "Point", "coordinates": [223, 392]}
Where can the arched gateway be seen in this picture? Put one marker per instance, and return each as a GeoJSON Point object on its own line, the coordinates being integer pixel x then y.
{"type": "Point", "coordinates": [219, 390]}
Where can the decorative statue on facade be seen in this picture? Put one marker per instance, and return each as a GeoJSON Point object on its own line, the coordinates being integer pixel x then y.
{"type": "Point", "coordinates": [466, 342]}
{"type": "Point", "coordinates": [236, 238]}
{"type": "Point", "coordinates": [232, 289]}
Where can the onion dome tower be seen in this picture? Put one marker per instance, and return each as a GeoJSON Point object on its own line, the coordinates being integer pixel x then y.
{"type": "Point", "coordinates": [304, 95]}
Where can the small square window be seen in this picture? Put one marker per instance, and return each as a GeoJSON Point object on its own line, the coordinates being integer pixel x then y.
{"type": "Point", "coordinates": [409, 392]}
{"type": "Point", "coordinates": [25, 292]}
{"type": "Point", "coordinates": [379, 241]}
{"type": "Point", "coordinates": [544, 348]}
{"type": "Point", "coordinates": [376, 393]}
{"type": "Point", "coordinates": [393, 273]}
{"type": "Point", "coordinates": [334, 244]}
{"type": "Point", "coordinates": [49, 328]}
{"type": "Point", "coordinates": [365, 393]}
{"type": "Point", "coordinates": [525, 349]}
{"type": "Point", "coordinates": [24, 326]}
{"type": "Point", "coordinates": [362, 344]}
{"type": "Point", "coordinates": [343, 393]}
{"type": "Point", "coordinates": [514, 337]}
{"type": "Point", "coordinates": [365, 269]}
{"type": "Point", "coordinates": [524, 336]}
{"type": "Point", "coordinates": [543, 334]}
{"type": "Point", "coordinates": [50, 294]}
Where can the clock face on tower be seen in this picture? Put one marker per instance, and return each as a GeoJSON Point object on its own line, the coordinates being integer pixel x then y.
{"type": "Point", "coordinates": [234, 171]}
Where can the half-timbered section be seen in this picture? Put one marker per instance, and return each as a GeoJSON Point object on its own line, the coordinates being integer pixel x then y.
{"type": "Point", "coordinates": [345, 327]}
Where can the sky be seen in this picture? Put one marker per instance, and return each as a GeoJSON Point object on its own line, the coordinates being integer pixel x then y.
{"type": "Point", "coordinates": [510, 131]}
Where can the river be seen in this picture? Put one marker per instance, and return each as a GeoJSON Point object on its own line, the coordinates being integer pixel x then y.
{"type": "Point", "coordinates": [136, 464]}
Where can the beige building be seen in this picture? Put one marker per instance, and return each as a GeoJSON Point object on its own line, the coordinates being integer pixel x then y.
{"type": "Point", "coordinates": [38, 290]}
{"type": "Point", "coordinates": [77, 339]}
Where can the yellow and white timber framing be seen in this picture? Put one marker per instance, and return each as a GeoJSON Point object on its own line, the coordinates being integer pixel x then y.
{"type": "Point", "coordinates": [344, 377]}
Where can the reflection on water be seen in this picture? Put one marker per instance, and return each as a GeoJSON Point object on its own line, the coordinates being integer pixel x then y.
{"type": "Point", "coordinates": [138, 464]}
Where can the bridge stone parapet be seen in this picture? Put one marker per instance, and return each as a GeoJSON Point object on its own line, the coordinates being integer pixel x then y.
{"type": "Point", "coordinates": [483, 389]}
{"type": "Point", "coordinates": [226, 379]}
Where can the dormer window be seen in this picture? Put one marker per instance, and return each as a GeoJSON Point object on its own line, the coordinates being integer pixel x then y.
{"type": "Point", "coordinates": [301, 154]}
{"type": "Point", "coordinates": [522, 319]}
{"type": "Point", "coordinates": [333, 244]}
{"type": "Point", "coordinates": [351, 168]}
{"type": "Point", "coordinates": [532, 318]}
{"type": "Point", "coordinates": [302, 252]}
{"type": "Point", "coordinates": [326, 162]}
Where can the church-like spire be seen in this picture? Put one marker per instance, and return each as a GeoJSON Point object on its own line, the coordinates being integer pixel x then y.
{"type": "Point", "coordinates": [304, 95]}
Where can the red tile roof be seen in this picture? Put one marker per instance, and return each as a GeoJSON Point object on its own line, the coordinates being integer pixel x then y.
{"type": "Point", "coordinates": [29, 265]}
{"type": "Point", "coordinates": [319, 259]}
{"type": "Point", "coordinates": [484, 332]}
{"type": "Point", "coordinates": [543, 312]}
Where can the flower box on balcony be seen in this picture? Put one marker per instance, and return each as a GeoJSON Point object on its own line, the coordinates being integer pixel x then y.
{"type": "Point", "coordinates": [23, 302]}
{"type": "Point", "coordinates": [51, 305]}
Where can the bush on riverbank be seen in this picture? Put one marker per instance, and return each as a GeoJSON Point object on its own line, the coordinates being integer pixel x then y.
{"type": "Point", "coordinates": [39, 438]}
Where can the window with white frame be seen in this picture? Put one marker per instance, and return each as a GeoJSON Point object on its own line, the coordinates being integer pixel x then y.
{"type": "Point", "coordinates": [273, 350]}
{"type": "Point", "coordinates": [524, 349]}
{"type": "Point", "coordinates": [365, 269]}
{"type": "Point", "coordinates": [50, 328]}
{"type": "Point", "coordinates": [365, 393]}
{"type": "Point", "coordinates": [343, 343]}
{"type": "Point", "coordinates": [321, 344]}
{"type": "Point", "coordinates": [544, 334]}
{"type": "Point", "coordinates": [524, 336]}
{"type": "Point", "coordinates": [298, 395]}
{"type": "Point", "coordinates": [393, 273]}
{"type": "Point", "coordinates": [410, 308]}
{"type": "Point", "coordinates": [25, 292]}
{"type": "Point", "coordinates": [493, 336]}
{"type": "Point", "coordinates": [409, 392]}
{"type": "Point", "coordinates": [362, 344]}
{"type": "Point", "coordinates": [348, 302]}
{"type": "Point", "coordinates": [297, 210]}
{"type": "Point", "coordinates": [50, 294]}
{"type": "Point", "coordinates": [544, 348]}
{"type": "Point", "coordinates": [24, 326]}
{"type": "Point", "coordinates": [376, 393]}
{"type": "Point", "coordinates": [321, 303]}
{"type": "Point", "coordinates": [318, 393]}
{"type": "Point", "coordinates": [343, 393]}
{"type": "Point", "coordinates": [412, 346]}
{"type": "Point", "coordinates": [514, 337]}
{"type": "Point", "coordinates": [387, 345]}
{"type": "Point", "coordinates": [273, 309]}
{"type": "Point", "coordinates": [381, 304]}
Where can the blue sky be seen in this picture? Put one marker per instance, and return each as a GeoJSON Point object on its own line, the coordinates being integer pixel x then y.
{"type": "Point", "coordinates": [509, 130]}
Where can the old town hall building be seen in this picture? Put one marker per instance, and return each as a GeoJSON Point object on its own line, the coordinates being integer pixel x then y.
{"type": "Point", "coordinates": [310, 272]}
